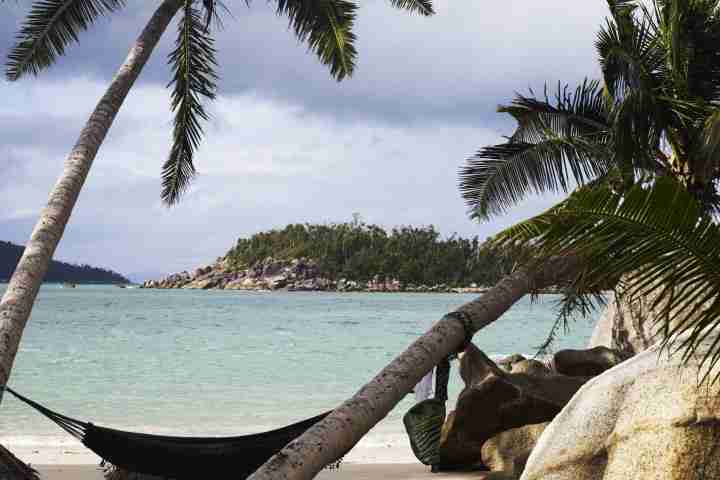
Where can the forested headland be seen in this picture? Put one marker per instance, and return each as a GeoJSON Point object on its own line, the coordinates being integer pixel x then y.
{"type": "Point", "coordinates": [350, 256]}
{"type": "Point", "coordinates": [58, 272]}
{"type": "Point", "coordinates": [358, 251]}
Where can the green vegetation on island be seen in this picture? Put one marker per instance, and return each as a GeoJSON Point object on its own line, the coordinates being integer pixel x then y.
{"type": "Point", "coordinates": [58, 272]}
{"type": "Point", "coordinates": [358, 251]}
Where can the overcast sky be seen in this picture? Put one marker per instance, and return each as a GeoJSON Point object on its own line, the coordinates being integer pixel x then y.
{"type": "Point", "coordinates": [285, 143]}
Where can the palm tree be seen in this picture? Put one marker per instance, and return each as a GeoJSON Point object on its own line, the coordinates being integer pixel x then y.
{"type": "Point", "coordinates": [52, 25]}
{"type": "Point", "coordinates": [326, 26]}
{"type": "Point", "coordinates": [654, 116]}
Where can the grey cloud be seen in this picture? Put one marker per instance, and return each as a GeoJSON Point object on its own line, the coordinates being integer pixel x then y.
{"type": "Point", "coordinates": [454, 67]}
{"type": "Point", "coordinates": [286, 143]}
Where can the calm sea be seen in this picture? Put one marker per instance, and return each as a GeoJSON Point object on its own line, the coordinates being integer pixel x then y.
{"type": "Point", "coordinates": [228, 362]}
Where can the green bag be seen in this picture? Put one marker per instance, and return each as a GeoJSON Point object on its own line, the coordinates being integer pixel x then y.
{"type": "Point", "coordinates": [423, 424]}
{"type": "Point", "coordinates": [424, 421]}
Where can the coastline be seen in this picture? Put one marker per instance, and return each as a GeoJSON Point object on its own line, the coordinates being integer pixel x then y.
{"type": "Point", "coordinates": [298, 274]}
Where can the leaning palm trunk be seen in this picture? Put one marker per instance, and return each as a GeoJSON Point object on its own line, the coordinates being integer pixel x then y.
{"type": "Point", "coordinates": [333, 437]}
{"type": "Point", "coordinates": [18, 300]}
{"type": "Point", "coordinates": [13, 469]}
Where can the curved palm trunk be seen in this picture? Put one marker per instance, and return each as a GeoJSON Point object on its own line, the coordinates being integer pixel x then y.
{"type": "Point", "coordinates": [17, 302]}
{"type": "Point", "coordinates": [13, 469]}
{"type": "Point", "coordinates": [333, 437]}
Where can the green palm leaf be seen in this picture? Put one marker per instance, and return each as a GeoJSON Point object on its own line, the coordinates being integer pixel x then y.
{"type": "Point", "coordinates": [630, 55]}
{"type": "Point", "coordinates": [48, 29]}
{"type": "Point", "coordinates": [194, 79]}
{"type": "Point", "coordinates": [423, 7]}
{"type": "Point", "coordinates": [553, 146]}
{"type": "Point", "coordinates": [326, 26]}
{"type": "Point", "coordinates": [671, 255]}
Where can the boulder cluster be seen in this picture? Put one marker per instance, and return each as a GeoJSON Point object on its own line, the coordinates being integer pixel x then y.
{"type": "Point", "coordinates": [299, 274]}
{"type": "Point", "coordinates": [505, 406]}
{"type": "Point", "coordinates": [618, 410]}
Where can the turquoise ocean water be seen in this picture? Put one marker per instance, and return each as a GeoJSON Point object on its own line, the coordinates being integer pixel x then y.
{"type": "Point", "coordinates": [228, 362]}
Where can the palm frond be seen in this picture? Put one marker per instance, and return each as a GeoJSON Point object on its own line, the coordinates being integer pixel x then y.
{"type": "Point", "coordinates": [500, 176]}
{"type": "Point", "coordinates": [671, 255]}
{"type": "Point", "coordinates": [552, 147]}
{"type": "Point", "coordinates": [710, 148]}
{"type": "Point", "coordinates": [423, 7]}
{"type": "Point", "coordinates": [581, 112]}
{"type": "Point", "coordinates": [578, 300]}
{"type": "Point", "coordinates": [49, 28]}
{"type": "Point", "coordinates": [630, 57]}
{"type": "Point", "coordinates": [211, 13]}
{"type": "Point", "coordinates": [701, 32]}
{"type": "Point", "coordinates": [194, 79]}
{"type": "Point", "coordinates": [327, 28]}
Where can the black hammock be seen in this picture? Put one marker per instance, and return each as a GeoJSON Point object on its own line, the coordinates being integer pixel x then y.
{"type": "Point", "coordinates": [177, 457]}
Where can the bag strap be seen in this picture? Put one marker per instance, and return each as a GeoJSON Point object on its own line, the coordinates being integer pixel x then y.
{"type": "Point", "coordinates": [442, 378]}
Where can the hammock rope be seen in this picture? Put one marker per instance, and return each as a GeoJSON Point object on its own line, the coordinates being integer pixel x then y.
{"type": "Point", "coordinates": [74, 427]}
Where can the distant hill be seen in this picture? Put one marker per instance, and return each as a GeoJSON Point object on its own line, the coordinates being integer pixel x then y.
{"type": "Point", "coordinates": [59, 271]}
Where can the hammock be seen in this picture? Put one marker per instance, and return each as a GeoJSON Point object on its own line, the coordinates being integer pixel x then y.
{"type": "Point", "coordinates": [177, 457]}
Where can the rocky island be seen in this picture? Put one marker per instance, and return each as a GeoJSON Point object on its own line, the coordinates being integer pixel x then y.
{"type": "Point", "coordinates": [349, 257]}
{"type": "Point", "coordinates": [299, 274]}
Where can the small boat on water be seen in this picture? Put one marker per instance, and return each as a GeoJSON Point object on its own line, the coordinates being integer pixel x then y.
{"type": "Point", "coordinates": [69, 285]}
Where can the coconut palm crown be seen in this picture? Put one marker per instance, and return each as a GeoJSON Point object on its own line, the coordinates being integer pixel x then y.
{"type": "Point", "coordinates": [656, 113]}
{"type": "Point", "coordinates": [643, 146]}
{"type": "Point", "coordinates": [325, 26]}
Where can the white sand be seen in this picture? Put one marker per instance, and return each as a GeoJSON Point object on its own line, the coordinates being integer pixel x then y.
{"type": "Point", "coordinates": [397, 471]}
{"type": "Point", "coordinates": [380, 455]}
{"type": "Point", "coordinates": [383, 447]}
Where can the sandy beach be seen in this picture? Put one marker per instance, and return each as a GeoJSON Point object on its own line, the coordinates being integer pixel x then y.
{"type": "Point", "coordinates": [350, 471]}
{"type": "Point", "coordinates": [380, 455]}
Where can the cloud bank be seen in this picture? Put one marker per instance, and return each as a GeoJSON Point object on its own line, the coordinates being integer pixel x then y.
{"type": "Point", "coordinates": [285, 143]}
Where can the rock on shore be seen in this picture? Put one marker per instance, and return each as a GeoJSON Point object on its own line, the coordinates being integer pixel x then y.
{"type": "Point", "coordinates": [504, 407]}
{"type": "Point", "coordinates": [647, 418]}
{"type": "Point", "coordinates": [299, 274]}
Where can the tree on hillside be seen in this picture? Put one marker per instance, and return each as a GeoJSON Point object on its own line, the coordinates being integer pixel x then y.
{"type": "Point", "coordinates": [358, 251]}
{"type": "Point", "coordinates": [645, 140]}
{"type": "Point", "coordinates": [325, 26]}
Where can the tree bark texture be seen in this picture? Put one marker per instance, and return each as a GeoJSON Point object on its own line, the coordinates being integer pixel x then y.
{"type": "Point", "coordinates": [18, 300]}
{"type": "Point", "coordinates": [333, 437]}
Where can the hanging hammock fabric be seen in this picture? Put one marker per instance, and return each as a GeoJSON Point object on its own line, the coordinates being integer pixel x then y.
{"type": "Point", "coordinates": [177, 457]}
